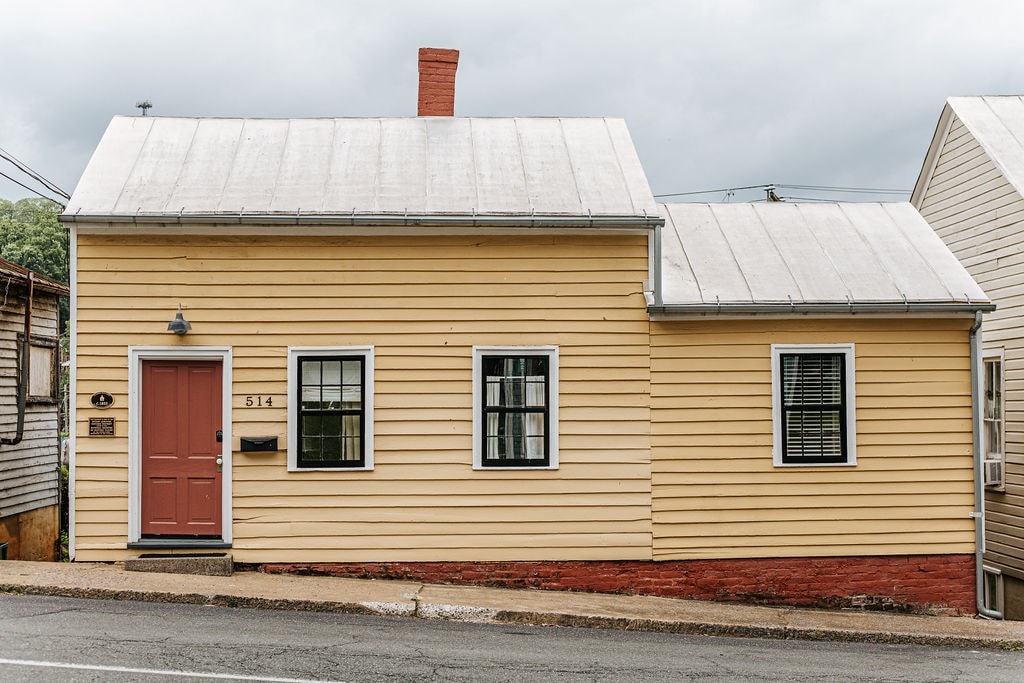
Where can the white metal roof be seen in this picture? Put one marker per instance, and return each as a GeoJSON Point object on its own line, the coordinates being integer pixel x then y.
{"type": "Point", "coordinates": [996, 122]}
{"type": "Point", "coordinates": [423, 166]}
{"type": "Point", "coordinates": [808, 257]}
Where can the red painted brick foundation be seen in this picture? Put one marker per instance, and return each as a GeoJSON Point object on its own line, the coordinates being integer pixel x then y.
{"type": "Point", "coordinates": [902, 582]}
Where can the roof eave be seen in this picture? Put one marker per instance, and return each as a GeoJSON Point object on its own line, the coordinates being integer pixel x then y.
{"type": "Point", "coordinates": [354, 219]}
{"type": "Point", "coordinates": [932, 155]}
{"type": "Point", "coordinates": [669, 311]}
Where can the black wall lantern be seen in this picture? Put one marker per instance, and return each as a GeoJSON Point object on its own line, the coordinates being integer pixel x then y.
{"type": "Point", "coordinates": [179, 325]}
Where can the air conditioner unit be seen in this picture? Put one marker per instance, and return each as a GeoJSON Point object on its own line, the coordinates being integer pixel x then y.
{"type": "Point", "coordinates": [992, 472]}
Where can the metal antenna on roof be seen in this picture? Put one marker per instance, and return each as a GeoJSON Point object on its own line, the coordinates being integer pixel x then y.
{"type": "Point", "coordinates": [144, 105]}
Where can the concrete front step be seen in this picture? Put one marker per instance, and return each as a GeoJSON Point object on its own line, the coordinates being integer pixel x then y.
{"type": "Point", "coordinates": [206, 564]}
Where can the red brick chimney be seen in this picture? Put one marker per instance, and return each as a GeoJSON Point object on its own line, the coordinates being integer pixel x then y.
{"type": "Point", "coordinates": [437, 81]}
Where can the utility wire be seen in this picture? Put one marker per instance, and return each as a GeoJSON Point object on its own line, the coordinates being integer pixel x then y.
{"type": "Point", "coordinates": [4, 154]}
{"type": "Point", "coordinates": [862, 190]}
{"type": "Point", "coordinates": [33, 191]}
{"type": "Point", "coordinates": [711, 191]}
{"type": "Point", "coordinates": [820, 188]}
{"type": "Point", "coordinates": [24, 168]}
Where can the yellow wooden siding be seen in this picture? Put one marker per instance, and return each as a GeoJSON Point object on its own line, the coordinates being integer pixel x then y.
{"type": "Point", "coordinates": [423, 303]}
{"type": "Point", "coordinates": [716, 493]}
{"type": "Point", "coordinates": [980, 216]}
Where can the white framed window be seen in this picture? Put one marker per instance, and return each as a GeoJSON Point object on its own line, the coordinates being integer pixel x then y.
{"type": "Point", "coordinates": [992, 588]}
{"type": "Point", "coordinates": [515, 407]}
{"type": "Point", "coordinates": [993, 417]}
{"type": "Point", "coordinates": [813, 405]}
{"type": "Point", "coordinates": [330, 408]}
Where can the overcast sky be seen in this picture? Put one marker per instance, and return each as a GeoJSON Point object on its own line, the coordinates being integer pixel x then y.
{"type": "Point", "coordinates": [716, 93]}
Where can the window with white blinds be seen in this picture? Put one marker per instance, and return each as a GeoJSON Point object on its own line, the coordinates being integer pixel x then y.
{"type": "Point", "coordinates": [813, 404]}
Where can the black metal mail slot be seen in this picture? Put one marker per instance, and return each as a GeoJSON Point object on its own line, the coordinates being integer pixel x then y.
{"type": "Point", "coordinates": [259, 443]}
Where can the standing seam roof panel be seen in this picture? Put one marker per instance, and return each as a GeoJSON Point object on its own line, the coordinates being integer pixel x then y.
{"type": "Point", "coordinates": [451, 176]}
{"type": "Point", "coordinates": [940, 261]}
{"type": "Point", "coordinates": [111, 164]}
{"type": "Point", "coordinates": [256, 167]}
{"type": "Point", "coordinates": [845, 248]}
{"type": "Point", "coordinates": [598, 174]}
{"type": "Point", "coordinates": [207, 164]}
{"type": "Point", "coordinates": [549, 173]}
{"type": "Point", "coordinates": [157, 166]}
{"type": "Point", "coordinates": [909, 271]}
{"type": "Point", "coordinates": [497, 159]}
{"type": "Point", "coordinates": [353, 173]}
{"type": "Point", "coordinates": [766, 272]}
{"type": "Point", "coordinates": [809, 266]}
{"type": "Point", "coordinates": [707, 253]}
{"type": "Point", "coordinates": [403, 167]}
{"type": "Point", "coordinates": [304, 164]}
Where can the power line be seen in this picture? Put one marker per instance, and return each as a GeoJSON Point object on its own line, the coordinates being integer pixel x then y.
{"type": "Point", "coordinates": [36, 192]}
{"type": "Point", "coordinates": [818, 188]}
{"type": "Point", "coordinates": [24, 168]}
{"type": "Point", "coordinates": [862, 190]}
{"type": "Point", "coordinates": [712, 191]}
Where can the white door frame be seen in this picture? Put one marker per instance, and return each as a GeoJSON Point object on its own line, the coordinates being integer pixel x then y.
{"type": "Point", "coordinates": [137, 354]}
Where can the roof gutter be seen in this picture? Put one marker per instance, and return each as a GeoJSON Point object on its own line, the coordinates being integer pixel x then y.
{"type": "Point", "coordinates": [979, 487]}
{"type": "Point", "coordinates": [800, 308]}
{"type": "Point", "coordinates": [532, 220]}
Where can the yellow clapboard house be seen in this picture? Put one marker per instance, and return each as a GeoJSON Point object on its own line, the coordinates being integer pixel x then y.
{"type": "Point", "coordinates": [475, 349]}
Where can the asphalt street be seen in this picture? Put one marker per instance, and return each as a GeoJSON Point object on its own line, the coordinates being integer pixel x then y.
{"type": "Point", "coordinates": [66, 639]}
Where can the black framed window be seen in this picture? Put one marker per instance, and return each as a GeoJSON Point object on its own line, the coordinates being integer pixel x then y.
{"type": "Point", "coordinates": [813, 408]}
{"type": "Point", "coordinates": [331, 411]}
{"type": "Point", "coordinates": [515, 403]}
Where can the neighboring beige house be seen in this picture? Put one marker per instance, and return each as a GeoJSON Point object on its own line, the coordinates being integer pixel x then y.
{"type": "Point", "coordinates": [29, 443]}
{"type": "Point", "coordinates": [477, 350]}
{"type": "Point", "coordinates": [971, 190]}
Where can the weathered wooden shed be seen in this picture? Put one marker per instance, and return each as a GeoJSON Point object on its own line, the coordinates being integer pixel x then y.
{"type": "Point", "coordinates": [971, 190]}
{"type": "Point", "coordinates": [29, 440]}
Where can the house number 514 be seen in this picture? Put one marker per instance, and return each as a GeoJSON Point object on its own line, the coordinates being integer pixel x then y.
{"type": "Point", "coordinates": [259, 401]}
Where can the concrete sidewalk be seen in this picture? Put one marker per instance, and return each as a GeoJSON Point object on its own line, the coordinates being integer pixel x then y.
{"type": "Point", "coordinates": [497, 605]}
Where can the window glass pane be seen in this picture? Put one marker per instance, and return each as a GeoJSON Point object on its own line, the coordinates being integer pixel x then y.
{"type": "Point", "coordinates": [812, 379]}
{"type": "Point", "coordinates": [312, 425]}
{"type": "Point", "coordinates": [353, 372]}
{"type": "Point", "coordinates": [515, 382]}
{"type": "Point", "coordinates": [331, 398]}
{"type": "Point", "coordinates": [311, 449]}
{"type": "Point", "coordinates": [814, 434]}
{"type": "Point", "coordinates": [350, 426]}
{"type": "Point", "coordinates": [331, 425]}
{"type": "Point", "coordinates": [311, 398]}
{"type": "Point", "coordinates": [332, 372]}
{"type": "Point", "coordinates": [310, 372]}
{"type": "Point", "coordinates": [332, 448]}
{"type": "Point", "coordinates": [351, 448]}
{"type": "Point", "coordinates": [352, 398]}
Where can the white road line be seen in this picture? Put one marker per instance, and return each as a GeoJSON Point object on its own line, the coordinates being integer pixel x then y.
{"type": "Point", "coordinates": [159, 672]}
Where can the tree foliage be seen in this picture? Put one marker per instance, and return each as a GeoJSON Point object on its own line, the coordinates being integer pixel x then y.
{"type": "Point", "coordinates": [31, 236]}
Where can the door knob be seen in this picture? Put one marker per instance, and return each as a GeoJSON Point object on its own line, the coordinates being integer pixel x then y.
{"type": "Point", "coordinates": [220, 463]}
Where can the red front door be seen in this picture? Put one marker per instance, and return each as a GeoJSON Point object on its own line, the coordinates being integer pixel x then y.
{"type": "Point", "coordinates": [181, 418]}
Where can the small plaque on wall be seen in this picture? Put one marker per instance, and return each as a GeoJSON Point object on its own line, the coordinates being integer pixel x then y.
{"type": "Point", "coordinates": [102, 399]}
{"type": "Point", "coordinates": [101, 426]}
